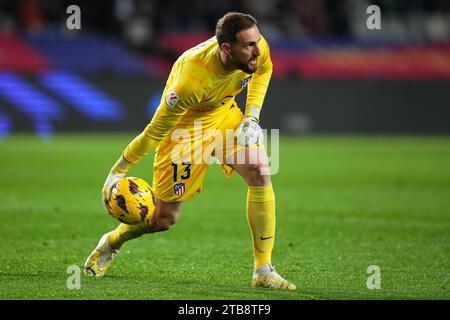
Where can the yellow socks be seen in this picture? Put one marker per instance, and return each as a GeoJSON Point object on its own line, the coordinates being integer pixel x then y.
{"type": "Point", "coordinates": [125, 232]}
{"type": "Point", "coordinates": [261, 219]}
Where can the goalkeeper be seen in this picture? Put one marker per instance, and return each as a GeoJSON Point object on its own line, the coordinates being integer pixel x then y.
{"type": "Point", "coordinates": [201, 89]}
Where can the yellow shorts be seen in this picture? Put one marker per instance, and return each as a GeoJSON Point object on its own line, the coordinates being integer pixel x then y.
{"type": "Point", "coordinates": [199, 139]}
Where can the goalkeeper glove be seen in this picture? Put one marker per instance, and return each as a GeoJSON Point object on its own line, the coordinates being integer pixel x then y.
{"type": "Point", "coordinates": [117, 173]}
{"type": "Point", "coordinates": [249, 132]}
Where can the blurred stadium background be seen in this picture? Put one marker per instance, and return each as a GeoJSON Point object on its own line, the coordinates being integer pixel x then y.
{"type": "Point", "coordinates": [364, 156]}
{"type": "Point", "coordinates": [332, 74]}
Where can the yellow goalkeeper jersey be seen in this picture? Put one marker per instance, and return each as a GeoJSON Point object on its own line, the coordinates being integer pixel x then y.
{"type": "Point", "coordinates": [198, 81]}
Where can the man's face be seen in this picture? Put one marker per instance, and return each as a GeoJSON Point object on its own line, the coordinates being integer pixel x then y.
{"type": "Point", "coordinates": [245, 51]}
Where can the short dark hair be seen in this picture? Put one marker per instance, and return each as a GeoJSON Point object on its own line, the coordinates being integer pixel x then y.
{"type": "Point", "coordinates": [230, 24]}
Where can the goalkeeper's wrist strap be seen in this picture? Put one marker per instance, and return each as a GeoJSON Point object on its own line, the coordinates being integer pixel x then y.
{"type": "Point", "coordinates": [253, 111]}
{"type": "Point", "coordinates": [122, 165]}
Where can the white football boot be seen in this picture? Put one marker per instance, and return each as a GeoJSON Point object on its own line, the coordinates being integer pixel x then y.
{"type": "Point", "coordinates": [100, 259]}
{"type": "Point", "coordinates": [267, 277]}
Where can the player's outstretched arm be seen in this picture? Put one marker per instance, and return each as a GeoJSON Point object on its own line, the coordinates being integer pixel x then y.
{"type": "Point", "coordinates": [137, 149]}
{"type": "Point", "coordinates": [177, 97]}
{"type": "Point", "coordinates": [162, 123]}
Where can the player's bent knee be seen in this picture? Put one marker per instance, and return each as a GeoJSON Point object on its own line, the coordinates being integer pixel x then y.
{"type": "Point", "coordinates": [254, 175]}
{"type": "Point", "coordinates": [166, 221]}
{"type": "Point", "coordinates": [160, 223]}
{"type": "Point", "coordinates": [164, 217]}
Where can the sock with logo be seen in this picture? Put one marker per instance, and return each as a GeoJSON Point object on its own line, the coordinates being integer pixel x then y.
{"type": "Point", "coordinates": [261, 219]}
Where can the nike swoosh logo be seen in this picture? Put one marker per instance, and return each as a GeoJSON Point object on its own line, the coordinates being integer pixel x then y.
{"type": "Point", "coordinates": [265, 238]}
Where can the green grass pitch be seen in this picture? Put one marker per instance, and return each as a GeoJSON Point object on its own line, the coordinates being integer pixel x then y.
{"type": "Point", "coordinates": [343, 204]}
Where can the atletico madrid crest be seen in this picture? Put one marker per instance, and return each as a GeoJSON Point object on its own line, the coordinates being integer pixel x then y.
{"type": "Point", "coordinates": [179, 189]}
{"type": "Point", "coordinates": [245, 82]}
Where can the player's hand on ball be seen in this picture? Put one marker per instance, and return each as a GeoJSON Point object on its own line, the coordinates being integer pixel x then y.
{"type": "Point", "coordinates": [249, 132]}
{"type": "Point", "coordinates": [111, 180]}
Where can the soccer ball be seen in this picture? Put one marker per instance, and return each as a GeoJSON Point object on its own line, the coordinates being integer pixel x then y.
{"type": "Point", "coordinates": [131, 201]}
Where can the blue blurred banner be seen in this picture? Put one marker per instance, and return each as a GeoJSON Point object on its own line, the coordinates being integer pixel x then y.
{"type": "Point", "coordinates": [332, 74]}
